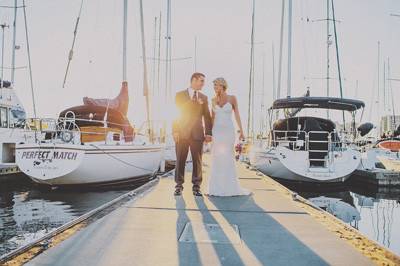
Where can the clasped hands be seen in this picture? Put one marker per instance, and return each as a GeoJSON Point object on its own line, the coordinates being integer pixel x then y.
{"type": "Point", "coordinates": [207, 139]}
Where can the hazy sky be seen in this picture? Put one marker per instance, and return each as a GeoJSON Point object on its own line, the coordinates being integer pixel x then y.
{"type": "Point", "coordinates": [222, 28]}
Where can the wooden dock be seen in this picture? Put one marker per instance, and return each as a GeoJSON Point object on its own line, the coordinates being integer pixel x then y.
{"type": "Point", "coordinates": [270, 227]}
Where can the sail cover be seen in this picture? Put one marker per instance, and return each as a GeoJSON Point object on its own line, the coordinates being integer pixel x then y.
{"type": "Point", "coordinates": [119, 103]}
{"type": "Point", "coordinates": [91, 115]}
{"type": "Point", "coordinates": [94, 111]}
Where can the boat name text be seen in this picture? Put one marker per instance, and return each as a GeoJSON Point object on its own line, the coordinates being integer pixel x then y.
{"type": "Point", "coordinates": [43, 155]}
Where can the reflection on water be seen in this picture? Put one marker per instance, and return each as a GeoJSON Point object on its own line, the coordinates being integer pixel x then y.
{"type": "Point", "coordinates": [374, 212]}
{"type": "Point", "coordinates": [27, 212]}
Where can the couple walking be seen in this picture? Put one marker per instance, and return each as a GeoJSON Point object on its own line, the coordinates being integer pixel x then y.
{"type": "Point", "coordinates": [189, 134]}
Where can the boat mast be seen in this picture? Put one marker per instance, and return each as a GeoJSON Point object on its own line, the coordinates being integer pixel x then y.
{"type": "Point", "coordinates": [14, 42]}
{"type": "Point", "coordinates": [28, 51]}
{"type": "Point", "coordinates": [153, 70]}
{"type": "Point", "coordinates": [145, 80]}
{"type": "Point", "coordinates": [124, 33]}
{"type": "Point", "coordinates": [384, 88]}
{"type": "Point", "coordinates": [71, 52]}
{"type": "Point", "coordinates": [249, 110]}
{"type": "Point", "coordinates": [278, 89]}
{"type": "Point", "coordinates": [159, 55]}
{"type": "Point", "coordinates": [391, 93]}
{"type": "Point", "coordinates": [167, 52]}
{"type": "Point", "coordinates": [328, 35]}
{"type": "Point", "coordinates": [289, 66]}
{"type": "Point", "coordinates": [379, 68]}
{"type": "Point", "coordinates": [338, 61]}
{"type": "Point", "coordinates": [3, 27]}
{"type": "Point", "coordinates": [262, 97]}
{"type": "Point", "coordinates": [273, 74]}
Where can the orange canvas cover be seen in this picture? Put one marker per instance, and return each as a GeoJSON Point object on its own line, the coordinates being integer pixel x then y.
{"type": "Point", "coordinates": [393, 145]}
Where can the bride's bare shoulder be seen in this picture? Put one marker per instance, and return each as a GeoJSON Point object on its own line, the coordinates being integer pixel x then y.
{"type": "Point", "coordinates": [232, 98]}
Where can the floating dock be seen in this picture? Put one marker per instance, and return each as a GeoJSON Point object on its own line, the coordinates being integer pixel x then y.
{"type": "Point", "coordinates": [10, 172]}
{"type": "Point", "coordinates": [377, 177]}
{"type": "Point", "coordinates": [273, 226]}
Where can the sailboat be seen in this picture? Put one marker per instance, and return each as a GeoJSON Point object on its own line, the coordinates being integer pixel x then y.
{"type": "Point", "coordinates": [308, 148]}
{"type": "Point", "coordinates": [93, 144]}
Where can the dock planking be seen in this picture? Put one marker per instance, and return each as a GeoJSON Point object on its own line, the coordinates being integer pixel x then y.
{"type": "Point", "coordinates": [266, 228]}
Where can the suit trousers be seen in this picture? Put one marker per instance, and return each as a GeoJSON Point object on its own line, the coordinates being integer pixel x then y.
{"type": "Point", "coordinates": [182, 150]}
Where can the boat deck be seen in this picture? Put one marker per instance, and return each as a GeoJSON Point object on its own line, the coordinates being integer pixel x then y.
{"type": "Point", "coordinates": [9, 172]}
{"type": "Point", "coordinates": [267, 228]}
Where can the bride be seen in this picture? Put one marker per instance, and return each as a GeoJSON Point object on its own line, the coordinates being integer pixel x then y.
{"type": "Point", "coordinates": [223, 180]}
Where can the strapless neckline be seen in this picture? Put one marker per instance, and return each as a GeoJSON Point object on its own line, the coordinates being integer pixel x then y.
{"type": "Point", "coordinates": [223, 105]}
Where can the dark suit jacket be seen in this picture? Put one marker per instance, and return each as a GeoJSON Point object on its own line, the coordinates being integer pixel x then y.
{"type": "Point", "coordinates": [189, 125]}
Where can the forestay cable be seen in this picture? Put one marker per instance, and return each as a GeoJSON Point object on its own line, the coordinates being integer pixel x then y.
{"type": "Point", "coordinates": [71, 52]}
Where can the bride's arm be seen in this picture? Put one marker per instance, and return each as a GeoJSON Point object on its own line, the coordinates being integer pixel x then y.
{"type": "Point", "coordinates": [237, 116]}
{"type": "Point", "coordinates": [212, 110]}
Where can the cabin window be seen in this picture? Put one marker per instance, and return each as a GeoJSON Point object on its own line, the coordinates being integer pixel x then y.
{"type": "Point", "coordinates": [116, 137]}
{"type": "Point", "coordinates": [3, 117]}
{"type": "Point", "coordinates": [17, 117]}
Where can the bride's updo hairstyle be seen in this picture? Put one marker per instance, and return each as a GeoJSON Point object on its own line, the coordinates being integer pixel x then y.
{"type": "Point", "coordinates": [222, 82]}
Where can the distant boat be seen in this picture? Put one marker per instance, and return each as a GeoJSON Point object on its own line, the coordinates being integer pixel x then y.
{"type": "Point", "coordinates": [12, 123]}
{"type": "Point", "coordinates": [378, 158]}
{"type": "Point", "coordinates": [93, 144]}
{"type": "Point", "coordinates": [305, 148]}
{"type": "Point", "coordinates": [12, 111]}
{"type": "Point", "coordinates": [381, 155]}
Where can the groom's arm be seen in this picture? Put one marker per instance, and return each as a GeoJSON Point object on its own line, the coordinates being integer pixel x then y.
{"type": "Point", "coordinates": [207, 118]}
{"type": "Point", "coordinates": [179, 103]}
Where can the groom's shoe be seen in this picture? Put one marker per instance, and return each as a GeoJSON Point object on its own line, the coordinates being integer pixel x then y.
{"type": "Point", "coordinates": [178, 192]}
{"type": "Point", "coordinates": [197, 193]}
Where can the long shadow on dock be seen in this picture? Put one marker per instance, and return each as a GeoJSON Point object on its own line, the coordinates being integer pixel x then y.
{"type": "Point", "coordinates": [227, 252]}
{"type": "Point", "coordinates": [264, 240]}
{"type": "Point", "coordinates": [185, 255]}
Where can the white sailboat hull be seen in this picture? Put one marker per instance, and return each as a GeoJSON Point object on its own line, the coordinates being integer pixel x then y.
{"type": "Point", "coordinates": [68, 164]}
{"type": "Point", "coordinates": [283, 163]}
{"type": "Point", "coordinates": [371, 159]}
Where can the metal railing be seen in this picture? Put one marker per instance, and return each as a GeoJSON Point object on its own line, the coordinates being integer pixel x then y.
{"type": "Point", "coordinates": [67, 130]}
{"type": "Point", "coordinates": [301, 140]}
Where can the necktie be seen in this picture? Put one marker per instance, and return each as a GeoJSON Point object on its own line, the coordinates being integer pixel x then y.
{"type": "Point", "coordinates": [194, 96]}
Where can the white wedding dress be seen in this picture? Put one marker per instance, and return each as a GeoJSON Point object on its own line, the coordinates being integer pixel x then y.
{"type": "Point", "coordinates": [223, 180]}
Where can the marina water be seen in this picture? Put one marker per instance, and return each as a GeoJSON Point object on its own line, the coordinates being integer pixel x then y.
{"type": "Point", "coordinates": [27, 212]}
{"type": "Point", "coordinates": [375, 212]}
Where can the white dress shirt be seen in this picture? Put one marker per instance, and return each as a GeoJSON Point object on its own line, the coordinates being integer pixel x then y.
{"type": "Point", "coordinates": [191, 92]}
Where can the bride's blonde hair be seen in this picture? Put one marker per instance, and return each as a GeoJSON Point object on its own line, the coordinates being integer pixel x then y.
{"type": "Point", "coordinates": [222, 82]}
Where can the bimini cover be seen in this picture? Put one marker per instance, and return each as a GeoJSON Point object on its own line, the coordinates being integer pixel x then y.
{"type": "Point", "coordinates": [119, 103]}
{"type": "Point", "coordinates": [318, 102]}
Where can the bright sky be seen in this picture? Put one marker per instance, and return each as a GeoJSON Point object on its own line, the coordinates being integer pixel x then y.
{"type": "Point", "coordinates": [222, 29]}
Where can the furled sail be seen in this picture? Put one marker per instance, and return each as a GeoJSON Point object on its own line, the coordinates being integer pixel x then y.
{"type": "Point", "coordinates": [114, 111]}
{"type": "Point", "coordinates": [119, 103]}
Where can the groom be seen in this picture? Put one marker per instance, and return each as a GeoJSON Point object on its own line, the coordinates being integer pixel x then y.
{"type": "Point", "coordinates": [188, 132]}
